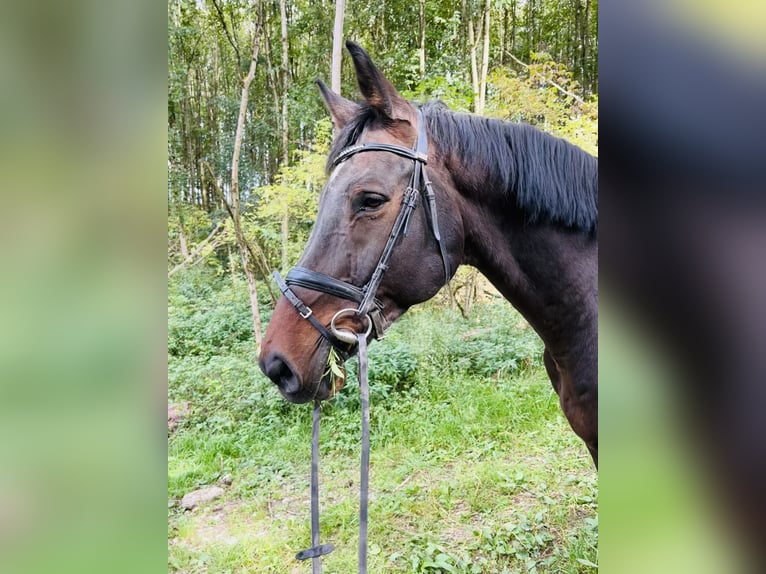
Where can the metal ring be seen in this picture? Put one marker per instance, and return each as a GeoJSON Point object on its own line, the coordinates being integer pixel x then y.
{"type": "Point", "coordinates": [344, 334]}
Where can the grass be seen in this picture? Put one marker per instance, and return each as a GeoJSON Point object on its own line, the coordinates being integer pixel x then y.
{"type": "Point", "coordinates": [473, 466]}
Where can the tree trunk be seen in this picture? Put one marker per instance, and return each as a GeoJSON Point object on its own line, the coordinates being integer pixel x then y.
{"type": "Point", "coordinates": [285, 75]}
{"type": "Point", "coordinates": [183, 244]}
{"type": "Point", "coordinates": [273, 79]}
{"type": "Point", "coordinates": [584, 47]}
{"type": "Point", "coordinates": [472, 47]}
{"type": "Point", "coordinates": [484, 61]}
{"type": "Point", "coordinates": [503, 36]}
{"type": "Point", "coordinates": [285, 126]}
{"type": "Point", "coordinates": [422, 51]}
{"type": "Point", "coordinates": [470, 293]}
{"type": "Point", "coordinates": [337, 46]}
{"type": "Point", "coordinates": [530, 29]}
{"type": "Point", "coordinates": [513, 27]}
{"type": "Point", "coordinates": [235, 199]}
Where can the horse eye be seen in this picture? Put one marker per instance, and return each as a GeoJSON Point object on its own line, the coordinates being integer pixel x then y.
{"type": "Point", "coordinates": [372, 201]}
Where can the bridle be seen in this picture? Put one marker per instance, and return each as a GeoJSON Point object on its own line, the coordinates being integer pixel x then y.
{"type": "Point", "coordinates": [369, 306]}
{"type": "Point", "coordinates": [346, 342]}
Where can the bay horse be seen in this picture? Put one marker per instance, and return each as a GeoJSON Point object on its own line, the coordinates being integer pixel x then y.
{"type": "Point", "coordinates": [516, 203]}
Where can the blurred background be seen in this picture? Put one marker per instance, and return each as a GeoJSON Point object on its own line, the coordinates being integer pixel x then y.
{"type": "Point", "coordinates": [682, 283]}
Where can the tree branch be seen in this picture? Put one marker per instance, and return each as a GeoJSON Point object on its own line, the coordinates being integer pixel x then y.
{"type": "Point", "coordinates": [197, 250]}
{"type": "Point", "coordinates": [228, 36]}
{"type": "Point", "coordinates": [551, 82]}
{"type": "Point", "coordinates": [261, 261]}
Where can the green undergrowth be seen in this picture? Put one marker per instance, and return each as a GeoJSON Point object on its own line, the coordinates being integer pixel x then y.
{"type": "Point", "coordinates": [473, 466]}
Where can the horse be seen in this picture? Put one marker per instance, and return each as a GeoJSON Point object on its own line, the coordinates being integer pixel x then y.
{"type": "Point", "coordinates": [516, 203]}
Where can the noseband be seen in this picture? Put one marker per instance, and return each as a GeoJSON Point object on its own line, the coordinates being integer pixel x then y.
{"type": "Point", "coordinates": [368, 305]}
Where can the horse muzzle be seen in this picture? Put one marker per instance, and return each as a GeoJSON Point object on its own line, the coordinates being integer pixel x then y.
{"type": "Point", "coordinates": [289, 382]}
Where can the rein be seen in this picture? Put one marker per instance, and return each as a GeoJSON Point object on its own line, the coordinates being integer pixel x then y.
{"type": "Point", "coordinates": [346, 342]}
{"type": "Point", "coordinates": [317, 549]}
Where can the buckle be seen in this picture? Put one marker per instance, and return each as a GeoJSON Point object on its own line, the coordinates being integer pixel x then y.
{"type": "Point", "coordinates": [306, 313]}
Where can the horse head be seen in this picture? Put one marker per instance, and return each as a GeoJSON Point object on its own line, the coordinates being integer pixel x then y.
{"type": "Point", "coordinates": [360, 209]}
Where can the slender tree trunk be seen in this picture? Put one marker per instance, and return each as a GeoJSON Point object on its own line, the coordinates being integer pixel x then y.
{"type": "Point", "coordinates": [285, 126]}
{"type": "Point", "coordinates": [470, 293]}
{"type": "Point", "coordinates": [285, 75]}
{"type": "Point", "coordinates": [513, 27]}
{"type": "Point", "coordinates": [530, 29]}
{"type": "Point", "coordinates": [232, 267]}
{"type": "Point", "coordinates": [202, 187]}
{"type": "Point", "coordinates": [484, 60]}
{"type": "Point", "coordinates": [337, 46]}
{"type": "Point", "coordinates": [584, 47]}
{"type": "Point", "coordinates": [503, 36]}
{"type": "Point", "coordinates": [474, 68]}
{"type": "Point", "coordinates": [187, 122]}
{"type": "Point", "coordinates": [463, 28]}
{"type": "Point", "coordinates": [422, 51]}
{"type": "Point", "coordinates": [273, 80]}
{"type": "Point", "coordinates": [182, 236]}
{"type": "Point", "coordinates": [235, 198]}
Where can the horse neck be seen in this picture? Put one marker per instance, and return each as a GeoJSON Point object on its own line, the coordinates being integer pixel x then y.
{"type": "Point", "coordinates": [547, 272]}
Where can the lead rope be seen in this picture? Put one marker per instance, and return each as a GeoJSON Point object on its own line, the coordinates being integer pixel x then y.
{"type": "Point", "coordinates": [364, 481]}
{"type": "Point", "coordinates": [318, 550]}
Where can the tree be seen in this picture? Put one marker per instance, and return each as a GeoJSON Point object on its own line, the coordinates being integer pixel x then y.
{"type": "Point", "coordinates": [234, 206]}
{"type": "Point", "coordinates": [337, 46]}
{"type": "Point", "coordinates": [285, 74]}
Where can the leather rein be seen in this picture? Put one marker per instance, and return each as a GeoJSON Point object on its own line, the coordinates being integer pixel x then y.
{"type": "Point", "coordinates": [346, 342]}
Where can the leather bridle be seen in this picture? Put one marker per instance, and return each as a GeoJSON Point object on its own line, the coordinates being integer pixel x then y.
{"type": "Point", "coordinates": [347, 342]}
{"type": "Point", "coordinates": [369, 306]}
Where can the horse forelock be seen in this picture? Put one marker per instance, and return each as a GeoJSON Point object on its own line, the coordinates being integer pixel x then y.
{"type": "Point", "coordinates": [349, 135]}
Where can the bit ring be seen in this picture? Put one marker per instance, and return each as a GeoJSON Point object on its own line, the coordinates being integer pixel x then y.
{"type": "Point", "coordinates": [345, 335]}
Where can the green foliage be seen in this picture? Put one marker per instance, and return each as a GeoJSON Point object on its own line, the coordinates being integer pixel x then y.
{"type": "Point", "coordinates": [494, 341]}
{"type": "Point", "coordinates": [530, 96]}
{"type": "Point", "coordinates": [295, 190]}
{"type": "Point", "coordinates": [454, 91]}
{"type": "Point", "coordinates": [394, 363]}
{"type": "Point", "coordinates": [430, 557]}
{"type": "Point", "coordinates": [206, 319]}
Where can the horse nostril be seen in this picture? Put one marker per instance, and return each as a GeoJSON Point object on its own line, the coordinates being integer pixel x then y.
{"type": "Point", "coordinates": [278, 370]}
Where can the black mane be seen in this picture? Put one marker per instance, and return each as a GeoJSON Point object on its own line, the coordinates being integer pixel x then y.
{"type": "Point", "coordinates": [549, 179]}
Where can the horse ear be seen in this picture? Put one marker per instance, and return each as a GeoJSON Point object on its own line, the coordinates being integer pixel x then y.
{"type": "Point", "coordinates": [375, 88]}
{"type": "Point", "coordinates": [341, 110]}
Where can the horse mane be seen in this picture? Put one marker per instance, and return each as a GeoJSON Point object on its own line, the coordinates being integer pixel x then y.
{"type": "Point", "coordinates": [547, 178]}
